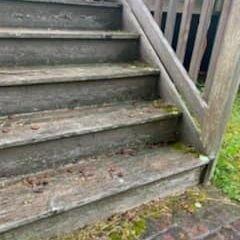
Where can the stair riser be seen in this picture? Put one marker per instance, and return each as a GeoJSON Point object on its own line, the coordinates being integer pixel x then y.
{"type": "Point", "coordinates": [51, 154]}
{"type": "Point", "coordinates": [66, 51]}
{"type": "Point", "coordinates": [70, 221]}
{"type": "Point", "coordinates": [20, 99]}
{"type": "Point", "coordinates": [58, 16]}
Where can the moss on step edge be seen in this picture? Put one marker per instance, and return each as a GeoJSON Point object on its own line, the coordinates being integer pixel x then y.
{"type": "Point", "coordinates": [189, 149]}
{"type": "Point", "coordinates": [169, 108]}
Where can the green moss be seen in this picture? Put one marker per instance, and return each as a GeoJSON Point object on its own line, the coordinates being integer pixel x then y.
{"type": "Point", "coordinates": [185, 149]}
{"type": "Point", "coordinates": [227, 174]}
{"type": "Point", "coordinates": [159, 103]}
{"type": "Point", "coordinates": [133, 224]}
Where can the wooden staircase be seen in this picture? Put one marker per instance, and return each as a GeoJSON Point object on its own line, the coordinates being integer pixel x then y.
{"type": "Point", "coordinates": [84, 134]}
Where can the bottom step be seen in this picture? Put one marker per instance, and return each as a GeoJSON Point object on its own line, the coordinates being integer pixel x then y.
{"type": "Point", "coordinates": [56, 202]}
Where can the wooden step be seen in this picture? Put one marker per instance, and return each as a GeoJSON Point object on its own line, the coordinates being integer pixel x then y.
{"type": "Point", "coordinates": [63, 200]}
{"type": "Point", "coordinates": [64, 14]}
{"type": "Point", "coordinates": [29, 89]}
{"type": "Point", "coordinates": [21, 47]}
{"type": "Point", "coordinates": [37, 141]}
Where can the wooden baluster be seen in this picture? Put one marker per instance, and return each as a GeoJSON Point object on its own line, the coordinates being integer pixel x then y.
{"type": "Point", "coordinates": [225, 83]}
{"type": "Point", "coordinates": [216, 49]}
{"type": "Point", "coordinates": [158, 11]}
{"type": "Point", "coordinates": [174, 67]}
{"type": "Point", "coordinates": [184, 29]}
{"type": "Point", "coordinates": [171, 20]}
{"type": "Point", "coordinates": [201, 38]}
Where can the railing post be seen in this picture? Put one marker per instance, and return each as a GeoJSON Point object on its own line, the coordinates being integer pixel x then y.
{"type": "Point", "coordinates": [225, 84]}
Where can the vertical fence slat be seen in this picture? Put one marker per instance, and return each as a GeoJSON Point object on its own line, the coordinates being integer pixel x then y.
{"type": "Point", "coordinates": [171, 20]}
{"type": "Point", "coordinates": [201, 38]}
{"type": "Point", "coordinates": [158, 7]}
{"type": "Point", "coordinates": [184, 29]}
{"type": "Point", "coordinates": [216, 48]}
{"type": "Point", "coordinates": [225, 84]}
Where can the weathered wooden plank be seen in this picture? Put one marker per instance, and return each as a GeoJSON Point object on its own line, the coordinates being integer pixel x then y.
{"type": "Point", "coordinates": [180, 3]}
{"type": "Point", "coordinates": [158, 11]}
{"type": "Point", "coordinates": [44, 88]}
{"type": "Point", "coordinates": [175, 69]}
{"type": "Point", "coordinates": [66, 135]}
{"type": "Point", "coordinates": [171, 20]}
{"type": "Point", "coordinates": [217, 47]}
{"type": "Point", "coordinates": [59, 15]}
{"type": "Point", "coordinates": [105, 3]}
{"type": "Point", "coordinates": [184, 29]}
{"type": "Point", "coordinates": [201, 38]}
{"type": "Point", "coordinates": [42, 47]}
{"type": "Point", "coordinates": [225, 83]}
{"type": "Point", "coordinates": [68, 189]}
{"type": "Point", "coordinates": [190, 133]}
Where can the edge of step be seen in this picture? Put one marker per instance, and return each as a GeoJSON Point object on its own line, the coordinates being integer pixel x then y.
{"type": "Point", "coordinates": [94, 3]}
{"type": "Point", "coordinates": [23, 129]}
{"type": "Point", "coordinates": [72, 73]}
{"type": "Point", "coordinates": [27, 33]}
{"type": "Point", "coordinates": [128, 172]}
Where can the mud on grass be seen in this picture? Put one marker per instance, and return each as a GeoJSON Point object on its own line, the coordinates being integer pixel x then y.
{"type": "Point", "coordinates": [132, 224]}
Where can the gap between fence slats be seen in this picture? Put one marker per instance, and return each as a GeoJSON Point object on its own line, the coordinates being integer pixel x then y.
{"type": "Point", "coordinates": [177, 72]}
{"type": "Point", "coordinates": [184, 29]}
{"type": "Point", "coordinates": [171, 20]}
{"type": "Point", "coordinates": [216, 49]}
{"type": "Point", "coordinates": [158, 11]}
{"type": "Point", "coordinates": [201, 38]}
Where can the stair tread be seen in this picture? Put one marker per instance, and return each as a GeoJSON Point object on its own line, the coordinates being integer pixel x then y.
{"type": "Point", "coordinates": [89, 180]}
{"type": "Point", "coordinates": [70, 73]}
{"type": "Point", "coordinates": [30, 128]}
{"type": "Point", "coordinates": [100, 3]}
{"type": "Point", "coordinates": [64, 34]}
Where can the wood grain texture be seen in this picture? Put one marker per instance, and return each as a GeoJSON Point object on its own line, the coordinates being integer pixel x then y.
{"type": "Point", "coordinates": [34, 89]}
{"type": "Point", "coordinates": [65, 136]}
{"type": "Point", "coordinates": [93, 3]}
{"type": "Point", "coordinates": [158, 11]}
{"type": "Point", "coordinates": [216, 48]}
{"type": "Point", "coordinates": [68, 190]}
{"type": "Point", "coordinates": [19, 76]}
{"type": "Point", "coordinates": [37, 14]}
{"type": "Point", "coordinates": [180, 5]}
{"type": "Point", "coordinates": [171, 20]}
{"type": "Point", "coordinates": [177, 72]}
{"type": "Point", "coordinates": [190, 133]}
{"type": "Point", "coordinates": [49, 51]}
{"type": "Point", "coordinates": [201, 39]}
{"type": "Point", "coordinates": [224, 84]}
{"type": "Point", "coordinates": [184, 28]}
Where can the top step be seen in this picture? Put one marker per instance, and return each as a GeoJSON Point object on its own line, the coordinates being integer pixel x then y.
{"type": "Point", "coordinates": [61, 14]}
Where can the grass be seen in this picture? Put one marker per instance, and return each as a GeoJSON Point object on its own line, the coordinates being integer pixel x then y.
{"type": "Point", "coordinates": [227, 175]}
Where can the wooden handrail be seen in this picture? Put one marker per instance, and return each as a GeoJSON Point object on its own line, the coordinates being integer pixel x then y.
{"type": "Point", "coordinates": [174, 67]}
{"type": "Point", "coordinates": [212, 109]}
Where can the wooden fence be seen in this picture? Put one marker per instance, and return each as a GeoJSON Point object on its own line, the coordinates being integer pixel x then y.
{"type": "Point", "coordinates": [210, 106]}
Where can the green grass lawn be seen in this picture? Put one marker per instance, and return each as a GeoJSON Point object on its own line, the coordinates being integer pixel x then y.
{"type": "Point", "coordinates": [227, 175]}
